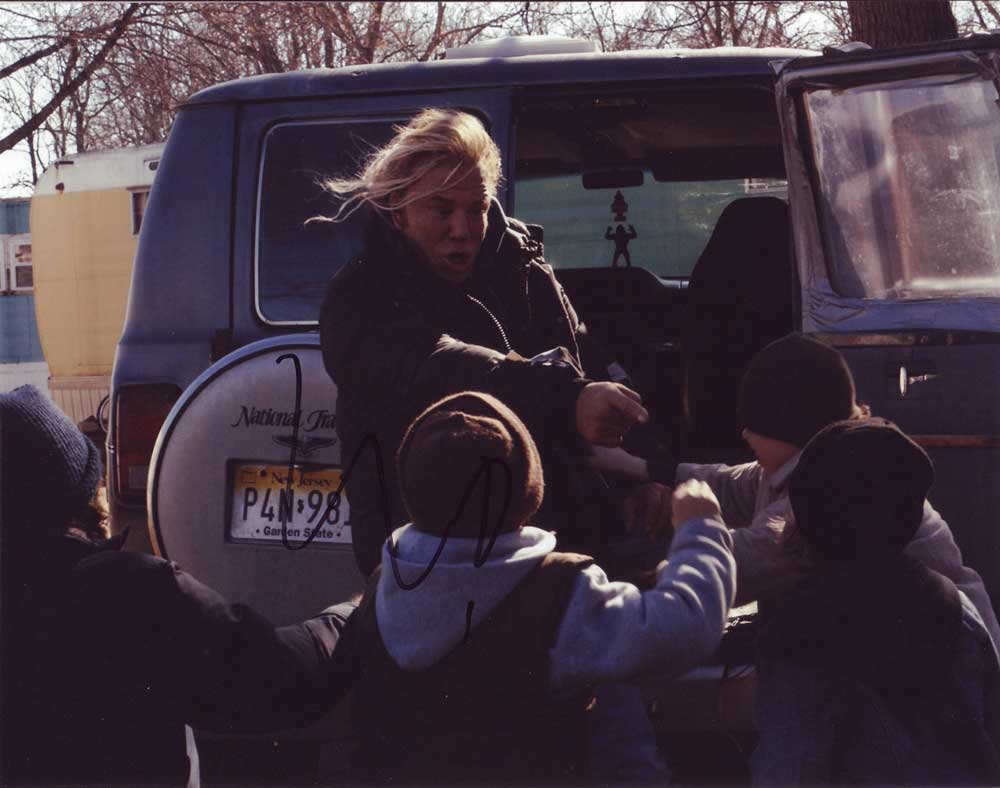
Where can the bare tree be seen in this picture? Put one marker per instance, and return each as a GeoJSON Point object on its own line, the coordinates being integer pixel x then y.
{"type": "Point", "coordinates": [976, 15]}
{"type": "Point", "coordinates": [91, 75]}
{"type": "Point", "coordinates": [74, 75]}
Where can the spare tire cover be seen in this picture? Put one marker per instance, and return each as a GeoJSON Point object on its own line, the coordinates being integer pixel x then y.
{"type": "Point", "coordinates": [220, 500]}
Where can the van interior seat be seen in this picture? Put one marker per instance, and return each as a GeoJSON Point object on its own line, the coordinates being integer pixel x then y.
{"type": "Point", "coordinates": [739, 299]}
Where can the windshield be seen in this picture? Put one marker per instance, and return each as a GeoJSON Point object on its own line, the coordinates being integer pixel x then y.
{"type": "Point", "coordinates": [910, 185]}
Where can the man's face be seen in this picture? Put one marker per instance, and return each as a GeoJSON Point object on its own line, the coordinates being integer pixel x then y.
{"type": "Point", "coordinates": [771, 453]}
{"type": "Point", "coordinates": [449, 225]}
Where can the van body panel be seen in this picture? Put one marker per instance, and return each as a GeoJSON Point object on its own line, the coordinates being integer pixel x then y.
{"type": "Point", "coordinates": [180, 288]}
{"type": "Point", "coordinates": [892, 167]}
{"type": "Point", "coordinates": [186, 234]}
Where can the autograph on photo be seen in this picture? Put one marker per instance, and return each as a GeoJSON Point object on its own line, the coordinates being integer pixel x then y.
{"type": "Point", "coordinates": [485, 539]}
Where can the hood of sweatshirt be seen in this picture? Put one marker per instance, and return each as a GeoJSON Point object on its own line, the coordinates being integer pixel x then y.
{"type": "Point", "coordinates": [422, 624]}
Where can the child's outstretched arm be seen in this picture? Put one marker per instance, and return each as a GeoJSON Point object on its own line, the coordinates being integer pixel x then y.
{"type": "Point", "coordinates": [735, 486]}
{"type": "Point", "coordinates": [612, 631]}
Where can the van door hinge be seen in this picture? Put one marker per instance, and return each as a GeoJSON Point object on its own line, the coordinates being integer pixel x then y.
{"type": "Point", "coordinates": [222, 343]}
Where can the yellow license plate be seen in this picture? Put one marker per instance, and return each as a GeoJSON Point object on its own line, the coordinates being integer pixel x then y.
{"type": "Point", "coordinates": [265, 506]}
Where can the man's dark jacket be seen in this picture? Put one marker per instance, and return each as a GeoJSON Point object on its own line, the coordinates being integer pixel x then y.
{"type": "Point", "coordinates": [396, 338]}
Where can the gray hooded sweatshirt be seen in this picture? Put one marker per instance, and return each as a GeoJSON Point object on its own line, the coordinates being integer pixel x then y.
{"type": "Point", "coordinates": [610, 631]}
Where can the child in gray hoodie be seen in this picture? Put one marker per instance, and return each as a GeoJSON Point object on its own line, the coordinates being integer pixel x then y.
{"type": "Point", "coordinates": [478, 641]}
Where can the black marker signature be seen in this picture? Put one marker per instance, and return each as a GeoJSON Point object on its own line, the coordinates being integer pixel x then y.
{"type": "Point", "coordinates": [484, 471]}
{"type": "Point", "coordinates": [296, 419]}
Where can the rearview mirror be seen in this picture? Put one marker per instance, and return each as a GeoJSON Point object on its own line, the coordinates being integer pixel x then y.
{"type": "Point", "coordinates": [612, 179]}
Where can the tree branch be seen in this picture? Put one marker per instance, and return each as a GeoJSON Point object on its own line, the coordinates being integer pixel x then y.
{"type": "Point", "coordinates": [73, 84]}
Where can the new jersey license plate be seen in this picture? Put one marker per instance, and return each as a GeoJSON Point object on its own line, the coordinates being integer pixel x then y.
{"type": "Point", "coordinates": [265, 506]}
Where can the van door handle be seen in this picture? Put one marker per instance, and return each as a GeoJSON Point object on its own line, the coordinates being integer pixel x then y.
{"type": "Point", "coordinates": [916, 373]}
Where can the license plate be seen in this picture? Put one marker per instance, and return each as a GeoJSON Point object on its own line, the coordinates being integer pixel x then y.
{"type": "Point", "coordinates": [264, 506]}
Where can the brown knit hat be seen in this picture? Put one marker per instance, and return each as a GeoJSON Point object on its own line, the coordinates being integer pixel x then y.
{"type": "Point", "coordinates": [793, 388]}
{"type": "Point", "coordinates": [456, 451]}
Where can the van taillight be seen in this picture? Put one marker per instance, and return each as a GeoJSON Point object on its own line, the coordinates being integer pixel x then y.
{"type": "Point", "coordinates": [139, 414]}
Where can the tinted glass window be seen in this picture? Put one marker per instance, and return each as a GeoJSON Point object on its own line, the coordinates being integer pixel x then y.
{"type": "Point", "coordinates": [647, 171]}
{"type": "Point", "coordinates": [295, 260]}
{"type": "Point", "coordinates": [910, 185]}
{"type": "Point", "coordinates": [671, 221]}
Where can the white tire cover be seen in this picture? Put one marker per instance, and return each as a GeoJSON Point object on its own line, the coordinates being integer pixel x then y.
{"type": "Point", "coordinates": [238, 412]}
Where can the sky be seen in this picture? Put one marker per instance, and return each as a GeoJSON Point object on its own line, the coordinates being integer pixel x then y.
{"type": "Point", "coordinates": [13, 163]}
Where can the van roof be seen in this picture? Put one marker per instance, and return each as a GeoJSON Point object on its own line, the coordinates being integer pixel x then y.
{"type": "Point", "coordinates": [497, 72]}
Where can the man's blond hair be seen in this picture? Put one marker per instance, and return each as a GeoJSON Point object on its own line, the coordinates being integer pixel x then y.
{"type": "Point", "coordinates": [432, 138]}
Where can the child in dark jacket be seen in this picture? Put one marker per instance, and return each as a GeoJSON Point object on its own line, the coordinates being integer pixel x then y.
{"type": "Point", "coordinates": [107, 654]}
{"type": "Point", "coordinates": [875, 669]}
{"type": "Point", "coordinates": [477, 641]}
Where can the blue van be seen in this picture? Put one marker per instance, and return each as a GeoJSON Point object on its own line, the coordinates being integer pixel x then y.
{"type": "Point", "coordinates": [853, 195]}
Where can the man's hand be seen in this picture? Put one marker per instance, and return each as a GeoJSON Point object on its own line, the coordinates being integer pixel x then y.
{"type": "Point", "coordinates": [694, 499]}
{"type": "Point", "coordinates": [606, 411]}
{"type": "Point", "coordinates": [647, 510]}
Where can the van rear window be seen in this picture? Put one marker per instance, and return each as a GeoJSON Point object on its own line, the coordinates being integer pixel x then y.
{"type": "Point", "coordinates": [640, 177]}
{"type": "Point", "coordinates": [665, 226]}
{"type": "Point", "coordinates": [295, 260]}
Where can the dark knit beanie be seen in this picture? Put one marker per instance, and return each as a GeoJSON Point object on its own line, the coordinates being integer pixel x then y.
{"type": "Point", "coordinates": [793, 388]}
{"type": "Point", "coordinates": [49, 467]}
{"type": "Point", "coordinates": [456, 454]}
{"type": "Point", "coordinates": [858, 490]}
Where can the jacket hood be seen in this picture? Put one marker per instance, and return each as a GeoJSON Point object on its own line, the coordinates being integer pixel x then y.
{"type": "Point", "coordinates": [420, 625]}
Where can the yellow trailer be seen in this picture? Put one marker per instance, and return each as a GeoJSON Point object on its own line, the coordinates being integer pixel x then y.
{"type": "Point", "coordinates": [85, 217]}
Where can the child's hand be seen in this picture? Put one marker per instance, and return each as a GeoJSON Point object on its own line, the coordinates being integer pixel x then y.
{"type": "Point", "coordinates": [694, 499]}
{"type": "Point", "coordinates": [647, 510]}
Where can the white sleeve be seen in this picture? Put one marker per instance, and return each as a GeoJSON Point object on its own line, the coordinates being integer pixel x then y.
{"type": "Point", "coordinates": [934, 546]}
{"type": "Point", "coordinates": [765, 567]}
{"type": "Point", "coordinates": [734, 485]}
{"type": "Point", "coordinates": [611, 631]}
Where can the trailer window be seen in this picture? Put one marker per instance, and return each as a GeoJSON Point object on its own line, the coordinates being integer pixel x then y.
{"type": "Point", "coordinates": [295, 260]}
{"type": "Point", "coordinates": [139, 199]}
{"type": "Point", "coordinates": [20, 276]}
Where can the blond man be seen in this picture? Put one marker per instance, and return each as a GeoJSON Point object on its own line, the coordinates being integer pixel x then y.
{"type": "Point", "coordinates": [450, 295]}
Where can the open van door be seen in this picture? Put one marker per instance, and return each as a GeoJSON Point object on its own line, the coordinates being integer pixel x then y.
{"type": "Point", "coordinates": [893, 162]}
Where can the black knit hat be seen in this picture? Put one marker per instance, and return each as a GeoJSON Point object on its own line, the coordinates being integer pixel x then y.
{"type": "Point", "coordinates": [858, 490]}
{"type": "Point", "coordinates": [49, 467]}
{"type": "Point", "coordinates": [793, 388]}
{"type": "Point", "coordinates": [445, 448]}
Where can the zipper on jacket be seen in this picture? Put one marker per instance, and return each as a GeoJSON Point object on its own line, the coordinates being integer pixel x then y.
{"type": "Point", "coordinates": [503, 334]}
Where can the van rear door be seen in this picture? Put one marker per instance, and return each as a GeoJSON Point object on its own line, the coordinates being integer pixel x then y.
{"type": "Point", "coordinates": [893, 163]}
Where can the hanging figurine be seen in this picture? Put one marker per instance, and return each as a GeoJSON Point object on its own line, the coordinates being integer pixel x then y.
{"type": "Point", "coordinates": [620, 236]}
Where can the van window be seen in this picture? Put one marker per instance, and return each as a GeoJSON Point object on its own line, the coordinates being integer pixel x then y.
{"type": "Point", "coordinates": [909, 177]}
{"type": "Point", "coordinates": [649, 171]}
{"type": "Point", "coordinates": [295, 260]}
{"type": "Point", "coordinates": [672, 222]}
